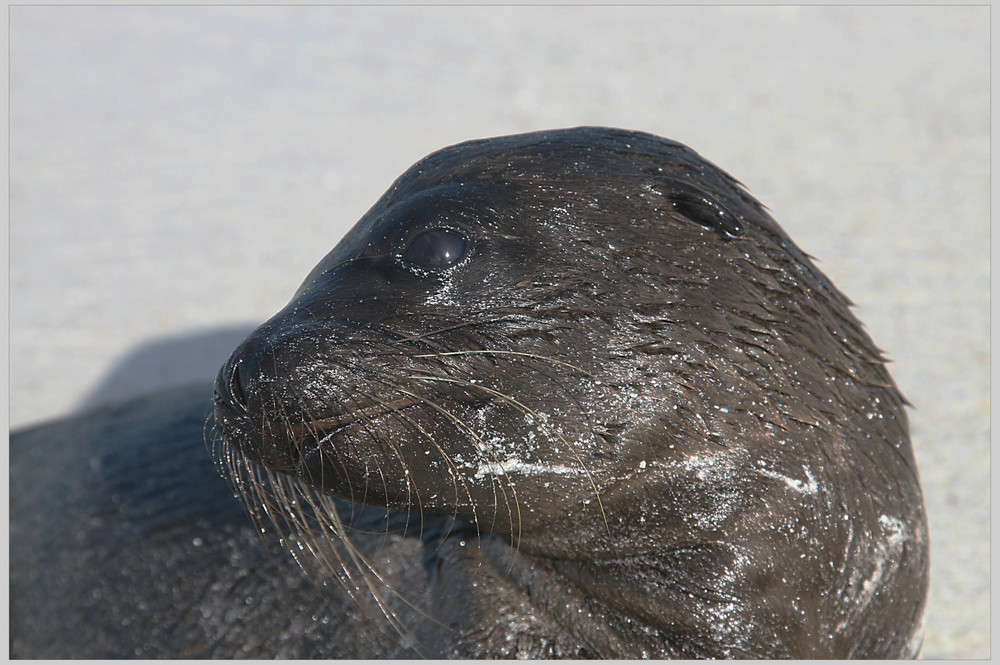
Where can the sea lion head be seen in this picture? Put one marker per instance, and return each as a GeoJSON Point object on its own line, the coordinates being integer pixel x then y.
{"type": "Point", "coordinates": [599, 347]}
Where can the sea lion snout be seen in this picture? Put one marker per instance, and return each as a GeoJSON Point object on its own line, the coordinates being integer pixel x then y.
{"type": "Point", "coordinates": [259, 402]}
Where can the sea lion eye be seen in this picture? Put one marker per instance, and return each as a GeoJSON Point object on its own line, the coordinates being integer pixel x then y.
{"type": "Point", "coordinates": [435, 248]}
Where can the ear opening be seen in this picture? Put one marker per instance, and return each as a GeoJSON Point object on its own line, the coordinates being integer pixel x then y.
{"type": "Point", "coordinates": [702, 208]}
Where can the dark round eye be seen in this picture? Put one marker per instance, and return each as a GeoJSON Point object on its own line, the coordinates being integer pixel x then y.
{"type": "Point", "coordinates": [435, 248]}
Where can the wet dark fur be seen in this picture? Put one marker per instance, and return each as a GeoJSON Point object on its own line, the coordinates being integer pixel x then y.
{"type": "Point", "coordinates": [634, 419]}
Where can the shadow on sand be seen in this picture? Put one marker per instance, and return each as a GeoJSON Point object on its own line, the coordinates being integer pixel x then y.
{"type": "Point", "coordinates": [167, 362]}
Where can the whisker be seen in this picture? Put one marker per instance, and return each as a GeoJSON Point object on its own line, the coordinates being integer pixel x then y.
{"type": "Point", "coordinates": [538, 418]}
{"type": "Point", "coordinates": [463, 324]}
{"type": "Point", "coordinates": [462, 425]}
{"type": "Point", "coordinates": [506, 353]}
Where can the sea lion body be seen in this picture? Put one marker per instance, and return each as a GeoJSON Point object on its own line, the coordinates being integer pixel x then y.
{"type": "Point", "coordinates": [602, 401]}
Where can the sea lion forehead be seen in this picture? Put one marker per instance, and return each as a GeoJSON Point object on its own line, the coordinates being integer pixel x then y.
{"type": "Point", "coordinates": [599, 166]}
{"type": "Point", "coordinates": [550, 154]}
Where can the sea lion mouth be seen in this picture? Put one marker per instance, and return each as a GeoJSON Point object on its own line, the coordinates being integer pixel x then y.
{"type": "Point", "coordinates": [329, 425]}
{"type": "Point", "coordinates": [282, 445]}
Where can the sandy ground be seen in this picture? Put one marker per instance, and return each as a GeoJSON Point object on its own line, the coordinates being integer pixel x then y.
{"type": "Point", "coordinates": [175, 173]}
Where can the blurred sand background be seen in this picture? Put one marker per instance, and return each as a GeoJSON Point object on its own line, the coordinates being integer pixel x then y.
{"type": "Point", "coordinates": [176, 172]}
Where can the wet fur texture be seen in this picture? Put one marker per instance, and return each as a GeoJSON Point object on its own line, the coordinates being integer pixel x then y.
{"type": "Point", "coordinates": [633, 420]}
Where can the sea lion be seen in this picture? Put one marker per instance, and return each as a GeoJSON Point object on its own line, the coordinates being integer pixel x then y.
{"type": "Point", "coordinates": [610, 396]}
{"type": "Point", "coordinates": [568, 393]}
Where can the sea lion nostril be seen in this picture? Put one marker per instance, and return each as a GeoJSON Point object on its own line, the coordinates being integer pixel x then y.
{"type": "Point", "coordinates": [234, 384]}
{"type": "Point", "coordinates": [239, 384]}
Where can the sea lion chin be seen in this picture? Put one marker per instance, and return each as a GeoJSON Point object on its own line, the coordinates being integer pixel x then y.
{"type": "Point", "coordinates": [586, 366]}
